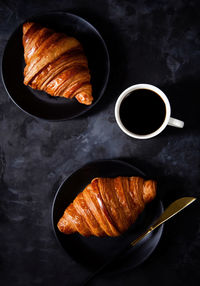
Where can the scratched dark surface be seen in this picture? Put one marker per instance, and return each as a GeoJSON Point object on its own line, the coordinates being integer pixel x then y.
{"type": "Point", "coordinates": [155, 42]}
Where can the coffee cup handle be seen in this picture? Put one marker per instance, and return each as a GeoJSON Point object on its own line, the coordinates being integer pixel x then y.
{"type": "Point", "coordinates": [175, 122]}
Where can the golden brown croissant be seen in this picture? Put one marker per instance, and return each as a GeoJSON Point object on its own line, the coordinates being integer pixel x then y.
{"type": "Point", "coordinates": [107, 206]}
{"type": "Point", "coordinates": [55, 63]}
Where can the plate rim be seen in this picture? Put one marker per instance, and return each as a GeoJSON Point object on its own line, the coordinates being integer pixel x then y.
{"type": "Point", "coordinates": [78, 169]}
{"type": "Point", "coordinates": [107, 74]}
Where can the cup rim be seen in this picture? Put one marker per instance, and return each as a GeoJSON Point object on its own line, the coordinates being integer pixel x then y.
{"type": "Point", "coordinates": [125, 93]}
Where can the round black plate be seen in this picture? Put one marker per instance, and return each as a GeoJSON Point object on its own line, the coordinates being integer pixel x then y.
{"type": "Point", "coordinates": [38, 103]}
{"type": "Point", "coordinates": [93, 252]}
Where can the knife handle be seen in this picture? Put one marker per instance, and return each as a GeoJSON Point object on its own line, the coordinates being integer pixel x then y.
{"type": "Point", "coordinates": [169, 212]}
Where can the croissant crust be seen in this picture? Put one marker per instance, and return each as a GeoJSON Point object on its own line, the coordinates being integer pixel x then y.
{"type": "Point", "coordinates": [107, 206]}
{"type": "Point", "coordinates": [55, 63]}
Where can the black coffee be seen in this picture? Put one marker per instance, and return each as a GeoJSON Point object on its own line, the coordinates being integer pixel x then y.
{"type": "Point", "coordinates": [142, 111]}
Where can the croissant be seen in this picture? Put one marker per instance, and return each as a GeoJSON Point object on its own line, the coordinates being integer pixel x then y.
{"type": "Point", "coordinates": [107, 206]}
{"type": "Point", "coordinates": [55, 63]}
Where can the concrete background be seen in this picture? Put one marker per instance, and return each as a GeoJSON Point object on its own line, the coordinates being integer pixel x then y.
{"type": "Point", "coordinates": [155, 42]}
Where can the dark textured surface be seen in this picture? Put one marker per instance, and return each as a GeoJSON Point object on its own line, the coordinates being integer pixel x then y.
{"type": "Point", "coordinates": [154, 42]}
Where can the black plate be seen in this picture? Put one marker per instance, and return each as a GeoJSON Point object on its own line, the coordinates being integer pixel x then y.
{"type": "Point", "coordinates": [38, 103]}
{"type": "Point", "coordinates": [93, 252]}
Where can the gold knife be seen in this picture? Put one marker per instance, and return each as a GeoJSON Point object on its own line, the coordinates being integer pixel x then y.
{"type": "Point", "coordinates": [169, 212]}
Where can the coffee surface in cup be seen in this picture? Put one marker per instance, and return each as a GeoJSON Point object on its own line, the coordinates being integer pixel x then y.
{"type": "Point", "coordinates": [142, 111]}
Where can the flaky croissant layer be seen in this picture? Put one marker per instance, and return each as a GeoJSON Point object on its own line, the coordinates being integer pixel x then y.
{"type": "Point", "coordinates": [55, 63]}
{"type": "Point", "coordinates": [107, 206]}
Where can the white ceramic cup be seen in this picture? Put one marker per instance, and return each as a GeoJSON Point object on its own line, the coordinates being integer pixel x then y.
{"type": "Point", "coordinates": [168, 119]}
